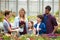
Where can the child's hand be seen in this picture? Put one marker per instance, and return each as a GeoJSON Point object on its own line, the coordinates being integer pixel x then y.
{"type": "Point", "coordinates": [34, 30]}
{"type": "Point", "coordinates": [39, 29]}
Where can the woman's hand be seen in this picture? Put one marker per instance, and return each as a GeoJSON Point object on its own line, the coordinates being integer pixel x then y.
{"type": "Point", "coordinates": [16, 30]}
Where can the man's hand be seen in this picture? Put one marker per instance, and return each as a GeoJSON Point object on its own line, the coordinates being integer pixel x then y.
{"type": "Point", "coordinates": [55, 28]}
{"type": "Point", "coordinates": [52, 32]}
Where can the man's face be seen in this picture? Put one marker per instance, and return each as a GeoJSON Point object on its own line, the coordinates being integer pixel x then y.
{"type": "Point", "coordinates": [9, 15]}
{"type": "Point", "coordinates": [47, 11]}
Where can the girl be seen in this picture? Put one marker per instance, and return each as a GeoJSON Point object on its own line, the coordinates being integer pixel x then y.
{"type": "Point", "coordinates": [30, 27]}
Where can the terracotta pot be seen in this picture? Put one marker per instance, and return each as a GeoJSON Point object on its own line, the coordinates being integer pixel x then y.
{"type": "Point", "coordinates": [1, 39]}
{"type": "Point", "coordinates": [31, 38]}
{"type": "Point", "coordinates": [1, 35]}
{"type": "Point", "coordinates": [57, 34]}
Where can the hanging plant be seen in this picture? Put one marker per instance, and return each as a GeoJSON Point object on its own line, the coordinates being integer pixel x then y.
{"type": "Point", "coordinates": [57, 13]}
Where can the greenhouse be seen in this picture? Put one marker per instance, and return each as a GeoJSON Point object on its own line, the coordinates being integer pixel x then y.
{"type": "Point", "coordinates": [29, 19]}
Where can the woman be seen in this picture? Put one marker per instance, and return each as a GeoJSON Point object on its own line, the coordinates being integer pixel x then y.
{"type": "Point", "coordinates": [18, 20]}
{"type": "Point", "coordinates": [7, 26]}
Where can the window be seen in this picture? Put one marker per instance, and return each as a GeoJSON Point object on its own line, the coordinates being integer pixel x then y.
{"type": "Point", "coordinates": [22, 0]}
{"type": "Point", "coordinates": [22, 4]}
{"type": "Point", "coordinates": [56, 5]}
{"type": "Point", "coordinates": [47, 0]}
{"type": "Point", "coordinates": [12, 0]}
{"type": "Point", "coordinates": [2, 0]}
{"type": "Point", "coordinates": [41, 7]}
{"type": "Point", "coordinates": [12, 6]}
{"type": "Point", "coordinates": [3, 6]}
{"type": "Point", "coordinates": [46, 3]}
{"type": "Point", "coordinates": [7, 5]}
{"type": "Point", "coordinates": [33, 0]}
{"type": "Point", "coordinates": [56, 0]}
{"type": "Point", "coordinates": [33, 7]}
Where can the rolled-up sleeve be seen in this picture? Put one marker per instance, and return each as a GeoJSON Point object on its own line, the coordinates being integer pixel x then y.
{"type": "Point", "coordinates": [43, 28]}
{"type": "Point", "coordinates": [16, 22]}
{"type": "Point", "coordinates": [54, 22]}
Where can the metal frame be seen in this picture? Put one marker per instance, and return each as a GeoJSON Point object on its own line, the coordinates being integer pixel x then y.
{"type": "Point", "coordinates": [59, 8]}
{"type": "Point", "coordinates": [8, 4]}
{"type": "Point", "coordinates": [53, 7]}
{"type": "Point", "coordinates": [39, 7]}
{"type": "Point", "coordinates": [42, 6]}
{"type": "Point", "coordinates": [16, 7]}
{"type": "Point", "coordinates": [5, 4]}
{"type": "Point", "coordinates": [28, 6]}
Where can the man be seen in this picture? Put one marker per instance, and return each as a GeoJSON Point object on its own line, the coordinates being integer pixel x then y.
{"type": "Point", "coordinates": [7, 26]}
{"type": "Point", "coordinates": [50, 21]}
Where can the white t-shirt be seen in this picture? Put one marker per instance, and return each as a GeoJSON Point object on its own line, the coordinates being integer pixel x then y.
{"type": "Point", "coordinates": [38, 28]}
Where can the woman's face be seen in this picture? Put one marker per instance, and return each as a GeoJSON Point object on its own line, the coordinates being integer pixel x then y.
{"type": "Point", "coordinates": [21, 13]}
{"type": "Point", "coordinates": [29, 24]}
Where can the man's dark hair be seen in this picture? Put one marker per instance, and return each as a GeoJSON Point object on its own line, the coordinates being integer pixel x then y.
{"type": "Point", "coordinates": [40, 16]}
{"type": "Point", "coordinates": [7, 13]}
{"type": "Point", "coordinates": [48, 7]}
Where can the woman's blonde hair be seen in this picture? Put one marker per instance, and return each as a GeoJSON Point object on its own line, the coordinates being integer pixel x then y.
{"type": "Point", "coordinates": [22, 9]}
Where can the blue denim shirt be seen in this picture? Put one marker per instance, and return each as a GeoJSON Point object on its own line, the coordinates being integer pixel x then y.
{"type": "Point", "coordinates": [43, 28]}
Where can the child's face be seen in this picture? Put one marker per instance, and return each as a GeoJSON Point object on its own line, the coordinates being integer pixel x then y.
{"type": "Point", "coordinates": [29, 24]}
{"type": "Point", "coordinates": [39, 20]}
